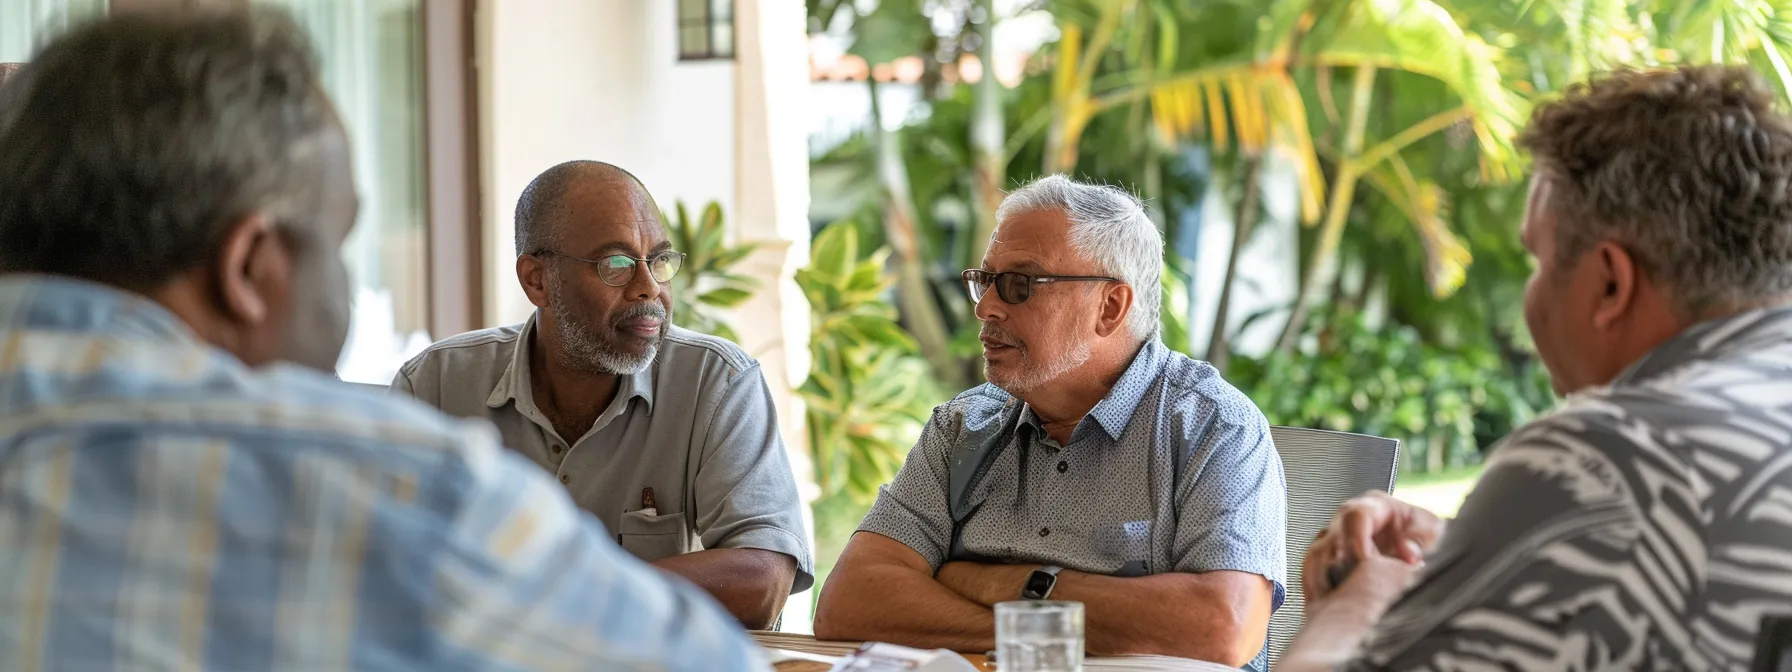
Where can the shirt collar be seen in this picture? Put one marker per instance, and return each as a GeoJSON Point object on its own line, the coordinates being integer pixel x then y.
{"type": "Point", "coordinates": [516, 383]}
{"type": "Point", "coordinates": [1115, 411]}
{"type": "Point", "coordinates": [1718, 339]}
{"type": "Point", "coordinates": [55, 303]}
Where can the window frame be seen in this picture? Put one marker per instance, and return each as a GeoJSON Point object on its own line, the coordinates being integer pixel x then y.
{"type": "Point", "coordinates": [710, 24]}
{"type": "Point", "coordinates": [454, 259]}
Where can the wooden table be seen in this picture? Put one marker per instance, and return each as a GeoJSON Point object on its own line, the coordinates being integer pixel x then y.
{"type": "Point", "coordinates": [808, 644]}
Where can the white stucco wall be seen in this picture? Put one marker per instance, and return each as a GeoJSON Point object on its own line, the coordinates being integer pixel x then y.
{"type": "Point", "coordinates": [600, 79]}
{"type": "Point", "coordinates": [594, 79]}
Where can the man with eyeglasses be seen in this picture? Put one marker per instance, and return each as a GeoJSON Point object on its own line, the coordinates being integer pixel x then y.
{"type": "Point", "coordinates": [669, 437]}
{"type": "Point", "coordinates": [1097, 466]}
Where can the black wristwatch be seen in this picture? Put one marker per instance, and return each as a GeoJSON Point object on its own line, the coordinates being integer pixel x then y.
{"type": "Point", "coordinates": [1040, 583]}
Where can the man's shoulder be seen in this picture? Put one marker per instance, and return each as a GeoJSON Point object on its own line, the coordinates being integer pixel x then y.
{"type": "Point", "coordinates": [1196, 388]}
{"type": "Point", "coordinates": [282, 412]}
{"type": "Point", "coordinates": [684, 351]}
{"type": "Point", "coordinates": [355, 413]}
{"type": "Point", "coordinates": [458, 374]}
{"type": "Point", "coordinates": [484, 345]}
{"type": "Point", "coordinates": [978, 406]}
{"type": "Point", "coordinates": [1676, 431]}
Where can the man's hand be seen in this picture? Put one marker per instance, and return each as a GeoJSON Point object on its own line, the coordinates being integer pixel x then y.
{"type": "Point", "coordinates": [1373, 586]}
{"type": "Point", "coordinates": [1370, 526]}
{"type": "Point", "coordinates": [1339, 621]}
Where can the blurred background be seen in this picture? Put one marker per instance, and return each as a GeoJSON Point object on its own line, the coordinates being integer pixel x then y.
{"type": "Point", "coordinates": [1335, 179]}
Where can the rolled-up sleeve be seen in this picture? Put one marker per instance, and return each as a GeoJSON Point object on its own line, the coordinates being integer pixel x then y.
{"type": "Point", "coordinates": [745, 491]}
{"type": "Point", "coordinates": [913, 509]}
{"type": "Point", "coordinates": [1234, 514]}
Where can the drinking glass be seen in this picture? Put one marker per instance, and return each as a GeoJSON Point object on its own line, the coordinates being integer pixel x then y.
{"type": "Point", "coordinates": [1039, 636]}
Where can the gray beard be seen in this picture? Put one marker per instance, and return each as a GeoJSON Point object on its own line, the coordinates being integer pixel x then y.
{"type": "Point", "coordinates": [587, 351]}
{"type": "Point", "coordinates": [1032, 377]}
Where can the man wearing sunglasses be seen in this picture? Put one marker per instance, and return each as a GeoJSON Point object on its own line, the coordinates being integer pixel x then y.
{"type": "Point", "coordinates": [1097, 466]}
{"type": "Point", "coordinates": [668, 436]}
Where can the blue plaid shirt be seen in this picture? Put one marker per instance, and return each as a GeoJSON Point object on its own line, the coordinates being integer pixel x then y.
{"type": "Point", "coordinates": [163, 506]}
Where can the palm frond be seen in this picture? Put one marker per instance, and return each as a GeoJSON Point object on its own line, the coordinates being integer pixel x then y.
{"type": "Point", "coordinates": [1421, 37]}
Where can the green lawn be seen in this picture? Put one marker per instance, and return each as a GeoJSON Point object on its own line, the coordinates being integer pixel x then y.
{"type": "Point", "coordinates": [1441, 493]}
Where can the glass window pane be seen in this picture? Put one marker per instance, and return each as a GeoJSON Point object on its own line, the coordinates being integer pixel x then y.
{"type": "Point", "coordinates": [26, 25]}
{"type": "Point", "coordinates": [722, 35]}
{"type": "Point", "coordinates": [693, 41]}
{"type": "Point", "coordinates": [691, 10]}
{"type": "Point", "coordinates": [371, 52]}
{"type": "Point", "coordinates": [721, 9]}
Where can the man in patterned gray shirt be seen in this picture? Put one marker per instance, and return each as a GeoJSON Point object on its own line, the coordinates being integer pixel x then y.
{"type": "Point", "coordinates": [1648, 523]}
{"type": "Point", "coordinates": [1097, 466]}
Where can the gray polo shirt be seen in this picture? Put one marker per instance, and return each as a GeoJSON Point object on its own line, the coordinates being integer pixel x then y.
{"type": "Point", "coordinates": [1173, 472]}
{"type": "Point", "coordinates": [698, 427]}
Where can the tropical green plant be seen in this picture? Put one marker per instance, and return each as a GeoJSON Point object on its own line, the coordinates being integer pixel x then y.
{"type": "Point", "coordinates": [707, 286]}
{"type": "Point", "coordinates": [1444, 405]}
{"type": "Point", "coordinates": [868, 391]}
{"type": "Point", "coordinates": [1396, 117]}
{"type": "Point", "coordinates": [884, 32]}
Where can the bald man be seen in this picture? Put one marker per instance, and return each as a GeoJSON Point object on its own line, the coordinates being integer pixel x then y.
{"type": "Point", "coordinates": [668, 436]}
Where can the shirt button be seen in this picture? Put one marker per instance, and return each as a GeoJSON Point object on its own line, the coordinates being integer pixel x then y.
{"type": "Point", "coordinates": [565, 479]}
{"type": "Point", "coordinates": [1044, 531]}
{"type": "Point", "coordinates": [558, 448]}
{"type": "Point", "coordinates": [1063, 466]}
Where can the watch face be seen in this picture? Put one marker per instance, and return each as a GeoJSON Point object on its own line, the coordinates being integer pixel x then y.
{"type": "Point", "coordinates": [1039, 584]}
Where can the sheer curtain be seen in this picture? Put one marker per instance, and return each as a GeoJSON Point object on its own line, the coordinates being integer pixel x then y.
{"type": "Point", "coordinates": [372, 58]}
{"type": "Point", "coordinates": [371, 52]}
{"type": "Point", "coordinates": [26, 24]}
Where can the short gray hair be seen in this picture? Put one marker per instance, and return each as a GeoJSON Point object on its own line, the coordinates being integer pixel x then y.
{"type": "Point", "coordinates": [1109, 227]}
{"type": "Point", "coordinates": [129, 145]}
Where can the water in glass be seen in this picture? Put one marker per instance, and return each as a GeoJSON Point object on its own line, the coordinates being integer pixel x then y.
{"type": "Point", "coordinates": [1039, 636]}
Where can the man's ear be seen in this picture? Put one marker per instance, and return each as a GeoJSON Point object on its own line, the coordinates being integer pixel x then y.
{"type": "Point", "coordinates": [1116, 304]}
{"type": "Point", "coordinates": [1616, 271]}
{"type": "Point", "coordinates": [251, 262]}
{"type": "Point", "coordinates": [532, 273]}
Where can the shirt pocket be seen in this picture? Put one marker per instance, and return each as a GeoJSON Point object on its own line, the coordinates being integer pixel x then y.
{"type": "Point", "coordinates": [1127, 546]}
{"type": "Point", "coordinates": [652, 537]}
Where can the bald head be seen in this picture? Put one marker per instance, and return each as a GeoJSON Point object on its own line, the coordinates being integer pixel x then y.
{"type": "Point", "coordinates": [574, 219]}
{"type": "Point", "coordinates": [544, 206]}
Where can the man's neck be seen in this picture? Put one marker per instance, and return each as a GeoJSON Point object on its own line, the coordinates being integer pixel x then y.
{"type": "Point", "coordinates": [1063, 403]}
{"type": "Point", "coordinates": [570, 398]}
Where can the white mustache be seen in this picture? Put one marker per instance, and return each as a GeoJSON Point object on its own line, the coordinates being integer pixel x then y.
{"type": "Point", "coordinates": [641, 310]}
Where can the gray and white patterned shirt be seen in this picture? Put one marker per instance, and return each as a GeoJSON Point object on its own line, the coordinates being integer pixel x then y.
{"type": "Point", "coordinates": [1173, 472]}
{"type": "Point", "coordinates": [1646, 525]}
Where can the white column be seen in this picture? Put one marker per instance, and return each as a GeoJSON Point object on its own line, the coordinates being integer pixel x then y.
{"type": "Point", "coordinates": [772, 197]}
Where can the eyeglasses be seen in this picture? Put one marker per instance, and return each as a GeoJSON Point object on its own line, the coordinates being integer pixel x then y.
{"type": "Point", "coordinates": [617, 270]}
{"type": "Point", "coordinates": [1016, 288]}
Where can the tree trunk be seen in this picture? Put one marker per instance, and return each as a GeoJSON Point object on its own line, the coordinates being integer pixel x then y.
{"type": "Point", "coordinates": [1322, 267]}
{"type": "Point", "coordinates": [914, 294]}
{"type": "Point", "coordinates": [1243, 223]}
{"type": "Point", "coordinates": [988, 138]}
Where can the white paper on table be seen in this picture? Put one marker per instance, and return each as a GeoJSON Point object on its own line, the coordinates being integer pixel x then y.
{"type": "Point", "coordinates": [879, 657]}
{"type": "Point", "coordinates": [1145, 662]}
{"type": "Point", "coordinates": [775, 656]}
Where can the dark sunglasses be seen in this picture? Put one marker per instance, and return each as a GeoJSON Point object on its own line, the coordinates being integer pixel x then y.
{"type": "Point", "coordinates": [617, 270]}
{"type": "Point", "coordinates": [1016, 288]}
